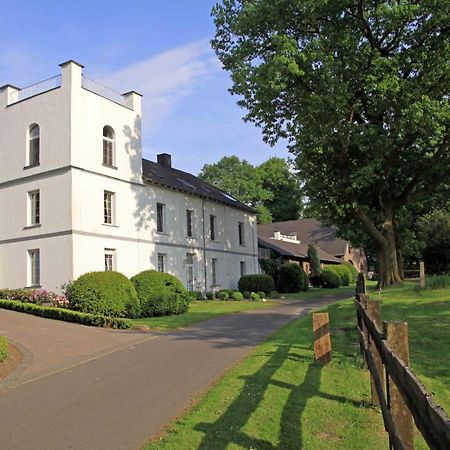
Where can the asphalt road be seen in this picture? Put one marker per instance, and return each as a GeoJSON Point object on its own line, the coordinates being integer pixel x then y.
{"type": "Point", "coordinates": [118, 401]}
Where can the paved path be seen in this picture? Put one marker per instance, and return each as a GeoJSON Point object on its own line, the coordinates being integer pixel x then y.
{"type": "Point", "coordinates": [119, 400]}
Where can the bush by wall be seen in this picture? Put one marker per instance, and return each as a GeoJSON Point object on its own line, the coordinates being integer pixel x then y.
{"type": "Point", "coordinates": [3, 348]}
{"type": "Point", "coordinates": [270, 267]}
{"type": "Point", "coordinates": [222, 295]}
{"type": "Point", "coordinates": [237, 296]}
{"type": "Point", "coordinates": [255, 297]}
{"type": "Point", "coordinates": [256, 282]}
{"type": "Point", "coordinates": [66, 315]}
{"type": "Point", "coordinates": [160, 294]}
{"type": "Point", "coordinates": [106, 293]}
{"type": "Point", "coordinates": [353, 272]}
{"type": "Point", "coordinates": [292, 278]}
{"type": "Point", "coordinates": [262, 295]}
{"type": "Point", "coordinates": [330, 279]}
{"type": "Point", "coordinates": [342, 272]}
{"type": "Point", "coordinates": [210, 295]}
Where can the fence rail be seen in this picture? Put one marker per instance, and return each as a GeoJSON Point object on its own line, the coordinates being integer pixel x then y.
{"type": "Point", "coordinates": [430, 419]}
{"type": "Point", "coordinates": [35, 89]}
{"type": "Point", "coordinates": [105, 92]}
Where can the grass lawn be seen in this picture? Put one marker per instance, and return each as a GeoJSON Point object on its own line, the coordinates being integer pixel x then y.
{"type": "Point", "coordinates": [278, 398]}
{"type": "Point", "coordinates": [313, 293]}
{"type": "Point", "coordinates": [200, 310]}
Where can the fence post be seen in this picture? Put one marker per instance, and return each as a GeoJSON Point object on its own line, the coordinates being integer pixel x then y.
{"type": "Point", "coordinates": [361, 284]}
{"type": "Point", "coordinates": [364, 299]}
{"type": "Point", "coordinates": [396, 335]}
{"type": "Point", "coordinates": [422, 274]}
{"type": "Point", "coordinates": [374, 311]}
{"type": "Point", "coordinates": [322, 340]}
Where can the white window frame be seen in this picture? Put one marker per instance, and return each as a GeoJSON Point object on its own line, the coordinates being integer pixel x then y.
{"type": "Point", "coordinates": [110, 259]}
{"type": "Point", "coordinates": [34, 267]}
{"type": "Point", "coordinates": [109, 145]}
{"type": "Point", "coordinates": [161, 262]}
{"type": "Point", "coordinates": [160, 217]}
{"type": "Point", "coordinates": [34, 145]}
{"type": "Point", "coordinates": [189, 223]}
{"type": "Point", "coordinates": [214, 272]}
{"type": "Point", "coordinates": [109, 208]}
{"type": "Point", "coordinates": [212, 227]}
{"type": "Point", "coordinates": [34, 207]}
{"type": "Point", "coordinates": [241, 234]}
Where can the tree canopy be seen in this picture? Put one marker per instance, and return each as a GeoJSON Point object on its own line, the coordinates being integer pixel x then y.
{"type": "Point", "coordinates": [271, 188]}
{"type": "Point", "coordinates": [360, 90]}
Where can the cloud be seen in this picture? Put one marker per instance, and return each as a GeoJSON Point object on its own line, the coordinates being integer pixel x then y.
{"type": "Point", "coordinates": [165, 79]}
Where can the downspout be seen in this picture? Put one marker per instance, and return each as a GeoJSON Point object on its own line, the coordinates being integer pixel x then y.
{"type": "Point", "coordinates": [255, 255]}
{"type": "Point", "coordinates": [204, 245]}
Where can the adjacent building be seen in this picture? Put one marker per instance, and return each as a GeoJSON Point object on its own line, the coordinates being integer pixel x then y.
{"type": "Point", "coordinates": [77, 196]}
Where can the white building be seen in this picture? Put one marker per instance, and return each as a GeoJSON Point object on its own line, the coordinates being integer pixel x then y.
{"type": "Point", "coordinates": [76, 195]}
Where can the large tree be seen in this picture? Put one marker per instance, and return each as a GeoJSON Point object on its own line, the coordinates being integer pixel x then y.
{"type": "Point", "coordinates": [360, 90]}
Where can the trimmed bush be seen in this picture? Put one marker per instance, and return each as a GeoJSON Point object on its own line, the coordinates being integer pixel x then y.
{"type": "Point", "coordinates": [105, 293]}
{"type": "Point", "coordinates": [247, 294]}
{"type": "Point", "coordinates": [353, 272]}
{"type": "Point", "coordinates": [237, 296]}
{"type": "Point", "coordinates": [254, 297]}
{"type": "Point", "coordinates": [210, 295]}
{"type": "Point", "coordinates": [315, 281]}
{"type": "Point", "coordinates": [222, 295]}
{"type": "Point", "coordinates": [274, 295]}
{"type": "Point", "coordinates": [256, 282]}
{"type": "Point", "coordinates": [262, 295]}
{"type": "Point", "coordinates": [330, 279]}
{"type": "Point", "coordinates": [292, 278]}
{"type": "Point", "coordinates": [66, 315]}
{"type": "Point", "coordinates": [270, 267]}
{"type": "Point", "coordinates": [196, 295]}
{"type": "Point", "coordinates": [3, 348]}
{"type": "Point", "coordinates": [343, 271]}
{"type": "Point", "coordinates": [160, 294]}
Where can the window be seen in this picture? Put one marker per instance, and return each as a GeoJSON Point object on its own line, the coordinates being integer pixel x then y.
{"type": "Point", "coordinates": [189, 222]}
{"type": "Point", "coordinates": [161, 262]}
{"type": "Point", "coordinates": [241, 233]}
{"type": "Point", "coordinates": [160, 217]}
{"type": "Point", "coordinates": [214, 271]}
{"type": "Point", "coordinates": [110, 259]}
{"type": "Point", "coordinates": [34, 258]}
{"type": "Point", "coordinates": [212, 227]}
{"type": "Point", "coordinates": [190, 271]}
{"type": "Point", "coordinates": [243, 268]}
{"type": "Point", "coordinates": [108, 146]}
{"type": "Point", "coordinates": [33, 145]}
{"type": "Point", "coordinates": [108, 207]}
{"type": "Point", "coordinates": [34, 207]}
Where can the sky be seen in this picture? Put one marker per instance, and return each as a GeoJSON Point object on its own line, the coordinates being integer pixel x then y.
{"type": "Point", "coordinates": [160, 49]}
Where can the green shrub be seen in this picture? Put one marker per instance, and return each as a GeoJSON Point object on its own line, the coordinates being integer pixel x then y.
{"type": "Point", "coordinates": [274, 295]}
{"type": "Point", "coordinates": [210, 295]}
{"type": "Point", "coordinates": [262, 295]}
{"type": "Point", "coordinates": [66, 315]}
{"type": "Point", "coordinates": [314, 260]}
{"type": "Point", "coordinates": [315, 281]}
{"type": "Point", "coordinates": [330, 279]}
{"type": "Point", "coordinates": [255, 297]}
{"type": "Point", "coordinates": [343, 272]}
{"type": "Point", "coordinates": [353, 272]}
{"type": "Point", "coordinates": [256, 282]}
{"type": "Point", "coordinates": [292, 278]}
{"type": "Point", "coordinates": [222, 295]}
{"type": "Point", "coordinates": [160, 294]}
{"type": "Point", "coordinates": [195, 295]}
{"type": "Point", "coordinates": [106, 293]}
{"type": "Point", "coordinates": [270, 267]}
{"type": "Point", "coordinates": [247, 294]}
{"type": "Point", "coordinates": [37, 296]}
{"type": "Point", "coordinates": [437, 282]}
{"type": "Point", "coordinates": [3, 348]}
{"type": "Point", "coordinates": [237, 296]}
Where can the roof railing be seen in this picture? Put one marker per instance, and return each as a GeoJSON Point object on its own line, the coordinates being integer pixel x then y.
{"type": "Point", "coordinates": [35, 89]}
{"type": "Point", "coordinates": [105, 92]}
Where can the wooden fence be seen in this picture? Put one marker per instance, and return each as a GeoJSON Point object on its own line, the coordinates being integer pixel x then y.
{"type": "Point", "coordinates": [395, 388]}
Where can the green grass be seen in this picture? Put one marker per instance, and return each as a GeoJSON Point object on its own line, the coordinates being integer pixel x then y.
{"type": "Point", "coordinates": [199, 311]}
{"type": "Point", "coordinates": [278, 398]}
{"type": "Point", "coordinates": [3, 348]}
{"type": "Point", "coordinates": [314, 293]}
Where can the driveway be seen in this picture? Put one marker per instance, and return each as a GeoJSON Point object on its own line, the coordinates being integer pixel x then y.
{"type": "Point", "coordinates": [121, 399]}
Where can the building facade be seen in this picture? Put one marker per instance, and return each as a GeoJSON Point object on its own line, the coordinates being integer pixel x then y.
{"type": "Point", "coordinates": [76, 195]}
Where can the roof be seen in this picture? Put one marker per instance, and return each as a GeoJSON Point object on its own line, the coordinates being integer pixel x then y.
{"type": "Point", "coordinates": [171, 178]}
{"type": "Point", "coordinates": [292, 249]}
{"type": "Point", "coordinates": [308, 230]}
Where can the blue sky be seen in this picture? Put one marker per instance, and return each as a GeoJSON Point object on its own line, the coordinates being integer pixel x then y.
{"type": "Point", "coordinates": [158, 48]}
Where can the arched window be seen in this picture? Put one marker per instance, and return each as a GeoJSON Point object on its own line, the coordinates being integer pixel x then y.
{"type": "Point", "coordinates": [33, 145]}
{"type": "Point", "coordinates": [108, 146]}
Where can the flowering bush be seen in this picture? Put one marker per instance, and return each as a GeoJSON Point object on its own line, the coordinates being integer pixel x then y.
{"type": "Point", "coordinates": [60, 301]}
{"type": "Point", "coordinates": [35, 296]}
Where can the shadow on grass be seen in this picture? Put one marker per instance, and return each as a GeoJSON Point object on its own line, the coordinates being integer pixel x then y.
{"type": "Point", "coordinates": [228, 428]}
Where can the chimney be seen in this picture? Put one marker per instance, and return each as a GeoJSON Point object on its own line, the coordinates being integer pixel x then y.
{"type": "Point", "coordinates": [164, 159]}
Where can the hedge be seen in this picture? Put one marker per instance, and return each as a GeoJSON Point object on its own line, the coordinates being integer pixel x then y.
{"type": "Point", "coordinates": [108, 294]}
{"type": "Point", "coordinates": [3, 348]}
{"type": "Point", "coordinates": [292, 278]}
{"type": "Point", "coordinates": [94, 320]}
{"type": "Point", "coordinates": [330, 279]}
{"type": "Point", "coordinates": [160, 294]}
{"type": "Point", "coordinates": [256, 282]}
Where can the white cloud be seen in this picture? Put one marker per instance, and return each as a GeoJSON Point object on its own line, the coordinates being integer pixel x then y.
{"type": "Point", "coordinates": [165, 79]}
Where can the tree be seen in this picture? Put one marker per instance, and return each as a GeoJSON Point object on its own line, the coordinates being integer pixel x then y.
{"type": "Point", "coordinates": [360, 90]}
{"type": "Point", "coordinates": [286, 201]}
{"type": "Point", "coordinates": [314, 261]}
